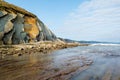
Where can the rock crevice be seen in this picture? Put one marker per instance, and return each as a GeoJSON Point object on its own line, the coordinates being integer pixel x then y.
{"type": "Point", "coordinates": [20, 26]}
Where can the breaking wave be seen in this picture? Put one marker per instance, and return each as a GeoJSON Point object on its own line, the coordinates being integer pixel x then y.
{"type": "Point", "coordinates": [101, 44]}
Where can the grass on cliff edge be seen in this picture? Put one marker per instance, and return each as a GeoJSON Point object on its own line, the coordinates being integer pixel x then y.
{"type": "Point", "coordinates": [12, 8]}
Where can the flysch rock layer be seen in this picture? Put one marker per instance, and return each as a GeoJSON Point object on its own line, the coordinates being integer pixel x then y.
{"type": "Point", "coordinates": [18, 26]}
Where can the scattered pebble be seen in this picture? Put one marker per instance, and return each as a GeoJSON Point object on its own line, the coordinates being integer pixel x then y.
{"type": "Point", "coordinates": [39, 47]}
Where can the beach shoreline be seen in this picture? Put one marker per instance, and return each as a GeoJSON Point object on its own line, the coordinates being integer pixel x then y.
{"type": "Point", "coordinates": [38, 47]}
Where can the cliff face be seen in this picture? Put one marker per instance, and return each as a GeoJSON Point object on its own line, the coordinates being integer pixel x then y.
{"type": "Point", "coordinates": [20, 26]}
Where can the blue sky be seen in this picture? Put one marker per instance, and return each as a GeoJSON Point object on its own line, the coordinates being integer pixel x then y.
{"type": "Point", "coordinates": [78, 19]}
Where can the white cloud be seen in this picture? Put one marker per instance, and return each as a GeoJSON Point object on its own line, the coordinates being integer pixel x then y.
{"type": "Point", "coordinates": [93, 20]}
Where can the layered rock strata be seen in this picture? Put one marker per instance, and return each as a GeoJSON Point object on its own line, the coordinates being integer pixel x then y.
{"type": "Point", "coordinates": [19, 26]}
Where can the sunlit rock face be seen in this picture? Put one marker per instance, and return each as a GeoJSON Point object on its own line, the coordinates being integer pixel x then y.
{"type": "Point", "coordinates": [31, 28]}
{"type": "Point", "coordinates": [18, 26]}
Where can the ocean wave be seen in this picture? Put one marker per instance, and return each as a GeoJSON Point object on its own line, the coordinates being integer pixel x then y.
{"type": "Point", "coordinates": [101, 44]}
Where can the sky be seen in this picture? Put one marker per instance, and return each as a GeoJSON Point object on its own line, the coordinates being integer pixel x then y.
{"type": "Point", "coordinates": [96, 20]}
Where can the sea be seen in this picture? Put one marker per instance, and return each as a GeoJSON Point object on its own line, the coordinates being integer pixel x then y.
{"type": "Point", "coordinates": [94, 62]}
{"type": "Point", "coordinates": [106, 64]}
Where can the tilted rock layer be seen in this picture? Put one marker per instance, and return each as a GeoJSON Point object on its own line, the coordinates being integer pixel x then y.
{"type": "Point", "coordinates": [20, 26]}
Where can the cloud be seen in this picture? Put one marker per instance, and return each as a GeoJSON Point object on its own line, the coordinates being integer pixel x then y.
{"type": "Point", "coordinates": [93, 20]}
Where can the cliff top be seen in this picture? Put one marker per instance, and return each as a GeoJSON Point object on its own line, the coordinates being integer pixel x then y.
{"type": "Point", "coordinates": [12, 8]}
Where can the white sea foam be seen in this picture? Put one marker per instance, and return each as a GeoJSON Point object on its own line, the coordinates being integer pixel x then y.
{"type": "Point", "coordinates": [101, 44]}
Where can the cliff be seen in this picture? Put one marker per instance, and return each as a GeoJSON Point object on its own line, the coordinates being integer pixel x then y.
{"type": "Point", "coordinates": [20, 26]}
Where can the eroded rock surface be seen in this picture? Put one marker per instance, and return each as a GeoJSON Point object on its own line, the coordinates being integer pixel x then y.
{"type": "Point", "coordinates": [20, 26]}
